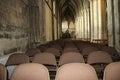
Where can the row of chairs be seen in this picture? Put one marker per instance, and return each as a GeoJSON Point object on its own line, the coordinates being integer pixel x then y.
{"type": "Point", "coordinates": [62, 46]}
{"type": "Point", "coordinates": [95, 56]}
{"type": "Point", "coordinates": [67, 51]}
{"type": "Point", "coordinates": [79, 48]}
{"type": "Point", "coordinates": [98, 59]}
{"type": "Point", "coordinates": [71, 71]}
{"type": "Point", "coordinates": [84, 49]}
{"type": "Point", "coordinates": [85, 52]}
{"type": "Point", "coordinates": [49, 60]}
{"type": "Point", "coordinates": [33, 51]}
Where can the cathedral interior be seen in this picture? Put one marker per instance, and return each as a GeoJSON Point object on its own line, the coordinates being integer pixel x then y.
{"type": "Point", "coordinates": [60, 28]}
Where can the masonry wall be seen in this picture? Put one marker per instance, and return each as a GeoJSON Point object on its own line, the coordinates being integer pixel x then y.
{"type": "Point", "coordinates": [113, 13]}
{"type": "Point", "coordinates": [13, 26]}
{"type": "Point", "coordinates": [48, 21]}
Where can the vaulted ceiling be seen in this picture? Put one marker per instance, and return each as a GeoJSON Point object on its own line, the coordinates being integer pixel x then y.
{"type": "Point", "coordinates": [69, 8]}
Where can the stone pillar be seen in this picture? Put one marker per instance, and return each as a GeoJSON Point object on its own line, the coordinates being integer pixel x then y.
{"type": "Point", "coordinates": [88, 23]}
{"type": "Point", "coordinates": [95, 14]}
{"type": "Point", "coordinates": [42, 20]}
{"type": "Point", "coordinates": [110, 23]}
{"type": "Point", "coordinates": [82, 17]}
{"type": "Point", "coordinates": [117, 25]}
{"type": "Point", "coordinates": [83, 24]}
{"type": "Point", "coordinates": [92, 19]}
{"type": "Point", "coordinates": [53, 29]}
{"type": "Point", "coordinates": [80, 27]}
{"type": "Point", "coordinates": [103, 21]}
{"type": "Point", "coordinates": [85, 27]}
{"type": "Point", "coordinates": [99, 20]}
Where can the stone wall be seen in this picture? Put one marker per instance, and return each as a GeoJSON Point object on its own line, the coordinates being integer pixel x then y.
{"type": "Point", "coordinates": [13, 25]}
{"type": "Point", "coordinates": [113, 23]}
{"type": "Point", "coordinates": [49, 31]}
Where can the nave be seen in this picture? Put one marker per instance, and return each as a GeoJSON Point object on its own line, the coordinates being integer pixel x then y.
{"type": "Point", "coordinates": [53, 34]}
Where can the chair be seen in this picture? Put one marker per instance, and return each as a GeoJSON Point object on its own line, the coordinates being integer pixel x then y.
{"type": "Point", "coordinates": [70, 50]}
{"type": "Point", "coordinates": [81, 47]}
{"type": "Point", "coordinates": [71, 57]}
{"type": "Point", "coordinates": [48, 60]}
{"type": "Point", "coordinates": [42, 47]}
{"type": "Point", "coordinates": [99, 46]}
{"type": "Point", "coordinates": [76, 71]}
{"type": "Point", "coordinates": [112, 51]}
{"type": "Point", "coordinates": [86, 51]}
{"type": "Point", "coordinates": [17, 58]}
{"type": "Point", "coordinates": [99, 59]}
{"type": "Point", "coordinates": [30, 71]}
{"type": "Point", "coordinates": [69, 46]}
{"type": "Point", "coordinates": [112, 71]}
{"type": "Point", "coordinates": [54, 51]}
{"type": "Point", "coordinates": [14, 60]}
{"type": "Point", "coordinates": [32, 51]}
{"type": "Point", "coordinates": [57, 46]}
{"type": "Point", "coordinates": [3, 72]}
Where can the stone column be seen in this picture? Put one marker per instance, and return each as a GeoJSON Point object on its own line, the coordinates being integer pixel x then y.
{"type": "Point", "coordinates": [103, 21]}
{"type": "Point", "coordinates": [110, 23]}
{"type": "Point", "coordinates": [117, 25]}
{"type": "Point", "coordinates": [80, 30]}
{"type": "Point", "coordinates": [99, 20]}
{"type": "Point", "coordinates": [92, 19]}
{"type": "Point", "coordinates": [95, 14]}
{"type": "Point", "coordinates": [85, 20]}
{"type": "Point", "coordinates": [88, 23]}
{"type": "Point", "coordinates": [82, 24]}
{"type": "Point", "coordinates": [42, 20]}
